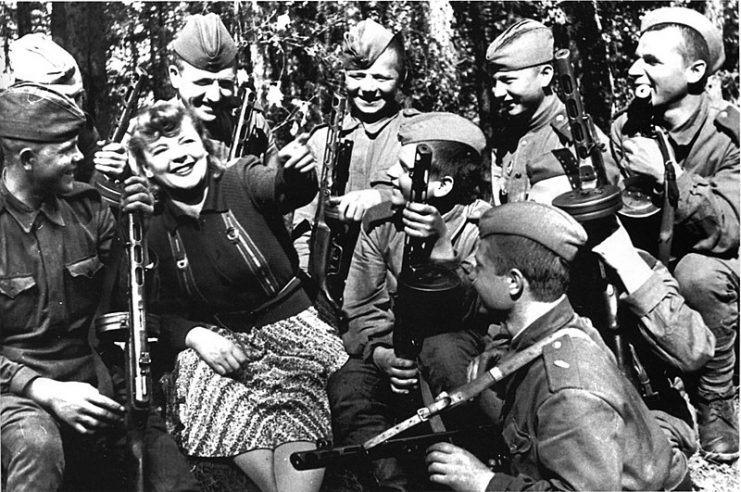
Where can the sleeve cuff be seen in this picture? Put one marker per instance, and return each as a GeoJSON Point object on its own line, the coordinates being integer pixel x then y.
{"type": "Point", "coordinates": [21, 379]}
{"type": "Point", "coordinates": [371, 346]}
{"type": "Point", "coordinates": [500, 481]}
{"type": "Point", "coordinates": [648, 296]}
{"type": "Point", "coordinates": [175, 329]}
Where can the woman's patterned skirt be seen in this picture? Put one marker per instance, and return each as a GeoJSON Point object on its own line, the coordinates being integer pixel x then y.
{"type": "Point", "coordinates": [278, 396]}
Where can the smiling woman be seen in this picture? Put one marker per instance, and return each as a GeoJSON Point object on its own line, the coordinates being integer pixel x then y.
{"type": "Point", "coordinates": [253, 356]}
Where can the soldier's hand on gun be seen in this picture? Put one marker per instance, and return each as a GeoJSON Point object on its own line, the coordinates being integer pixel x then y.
{"type": "Point", "coordinates": [221, 354]}
{"type": "Point", "coordinates": [80, 405]}
{"type": "Point", "coordinates": [643, 157]}
{"type": "Point", "coordinates": [112, 159]}
{"type": "Point", "coordinates": [296, 156]}
{"type": "Point", "coordinates": [353, 205]}
{"type": "Point", "coordinates": [424, 221]}
{"type": "Point", "coordinates": [456, 468]}
{"type": "Point", "coordinates": [402, 373]}
{"type": "Point", "coordinates": [618, 252]}
{"type": "Point", "coordinates": [136, 196]}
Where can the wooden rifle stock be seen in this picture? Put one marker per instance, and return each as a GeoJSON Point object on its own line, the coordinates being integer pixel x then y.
{"type": "Point", "coordinates": [332, 241]}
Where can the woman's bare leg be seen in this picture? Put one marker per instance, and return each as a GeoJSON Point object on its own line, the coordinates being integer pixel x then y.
{"type": "Point", "coordinates": [287, 477]}
{"type": "Point", "coordinates": [258, 465]}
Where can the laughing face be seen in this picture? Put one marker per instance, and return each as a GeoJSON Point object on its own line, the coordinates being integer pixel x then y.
{"type": "Point", "coordinates": [179, 161]}
{"type": "Point", "coordinates": [205, 93]}
{"type": "Point", "coordinates": [53, 169]}
{"type": "Point", "coordinates": [372, 90]}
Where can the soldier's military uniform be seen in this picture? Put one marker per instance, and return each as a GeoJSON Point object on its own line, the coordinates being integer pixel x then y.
{"type": "Point", "coordinates": [528, 151]}
{"type": "Point", "coordinates": [706, 230]}
{"type": "Point", "coordinates": [369, 306]}
{"type": "Point", "coordinates": [375, 145]}
{"type": "Point", "coordinates": [51, 269]}
{"type": "Point", "coordinates": [570, 419]}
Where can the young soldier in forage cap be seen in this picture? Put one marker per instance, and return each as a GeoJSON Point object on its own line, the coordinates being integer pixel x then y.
{"type": "Point", "coordinates": [374, 374]}
{"type": "Point", "coordinates": [36, 58]}
{"type": "Point", "coordinates": [62, 423]}
{"type": "Point", "coordinates": [533, 131]}
{"type": "Point", "coordinates": [374, 62]}
{"type": "Point", "coordinates": [571, 420]}
{"type": "Point", "coordinates": [678, 49]}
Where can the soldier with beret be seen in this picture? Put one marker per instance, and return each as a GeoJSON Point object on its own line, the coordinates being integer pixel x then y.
{"type": "Point", "coordinates": [62, 423]}
{"type": "Point", "coordinates": [570, 420]}
{"type": "Point", "coordinates": [374, 63]}
{"type": "Point", "coordinates": [36, 58]}
{"type": "Point", "coordinates": [374, 376]}
{"type": "Point", "coordinates": [532, 130]}
{"type": "Point", "coordinates": [677, 51]}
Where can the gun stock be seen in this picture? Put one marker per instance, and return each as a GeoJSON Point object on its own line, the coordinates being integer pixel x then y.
{"type": "Point", "coordinates": [332, 241]}
{"type": "Point", "coordinates": [242, 135]}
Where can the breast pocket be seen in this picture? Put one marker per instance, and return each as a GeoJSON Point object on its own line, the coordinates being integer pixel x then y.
{"type": "Point", "coordinates": [83, 281]}
{"type": "Point", "coordinates": [18, 300]}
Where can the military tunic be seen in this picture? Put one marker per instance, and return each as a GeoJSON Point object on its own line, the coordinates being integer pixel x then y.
{"type": "Point", "coordinates": [375, 149]}
{"type": "Point", "coordinates": [524, 155]}
{"type": "Point", "coordinates": [571, 421]}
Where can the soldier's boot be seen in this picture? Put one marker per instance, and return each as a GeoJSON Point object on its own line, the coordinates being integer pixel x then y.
{"type": "Point", "coordinates": [718, 424]}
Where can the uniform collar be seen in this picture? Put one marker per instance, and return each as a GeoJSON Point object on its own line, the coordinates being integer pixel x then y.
{"type": "Point", "coordinates": [173, 215]}
{"type": "Point", "coordinates": [686, 132]}
{"type": "Point", "coordinates": [552, 321]}
{"type": "Point", "coordinates": [351, 122]}
{"type": "Point", "coordinates": [546, 112]}
{"type": "Point", "coordinates": [25, 215]}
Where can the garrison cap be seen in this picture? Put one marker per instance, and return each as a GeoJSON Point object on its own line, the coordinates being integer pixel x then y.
{"type": "Point", "coordinates": [527, 43]}
{"type": "Point", "coordinates": [36, 58]}
{"type": "Point", "coordinates": [423, 127]}
{"type": "Point", "coordinates": [364, 43]}
{"type": "Point", "coordinates": [205, 43]}
{"type": "Point", "coordinates": [38, 114]}
{"type": "Point", "coordinates": [695, 20]}
{"type": "Point", "coordinates": [544, 224]}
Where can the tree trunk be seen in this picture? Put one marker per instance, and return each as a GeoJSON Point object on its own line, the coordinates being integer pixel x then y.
{"type": "Point", "coordinates": [80, 28]}
{"type": "Point", "coordinates": [483, 83]}
{"type": "Point", "coordinates": [24, 17]}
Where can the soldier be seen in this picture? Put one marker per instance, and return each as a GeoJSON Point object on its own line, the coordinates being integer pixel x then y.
{"type": "Point", "coordinates": [375, 67]}
{"type": "Point", "coordinates": [362, 393]}
{"type": "Point", "coordinates": [571, 420]}
{"type": "Point", "coordinates": [203, 72]}
{"type": "Point", "coordinates": [678, 49]}
{"type": "Point", "coordinates": [59, 414]}
{"type": "Point", "coordinates": [533, 131]}
{"type": "Point", "coordinates": [37, 59]}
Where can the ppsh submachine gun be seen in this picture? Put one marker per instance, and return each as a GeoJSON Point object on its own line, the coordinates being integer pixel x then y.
{"type": "Point", "coordinates": [133, 327]}
{"type": "Point", "coordinates": [387, 444]}
{"type": "Point", "coordinates": [594, 204]}
{"type": "Point", "coordinates": [332, 240]}
{"type": "Point", "coordinates": [429, 296]}
{"type": "Point", "coordinates": [642, 202]}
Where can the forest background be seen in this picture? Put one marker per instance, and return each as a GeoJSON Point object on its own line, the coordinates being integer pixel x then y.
{"type": "Point", "coordinates": [289, 53]}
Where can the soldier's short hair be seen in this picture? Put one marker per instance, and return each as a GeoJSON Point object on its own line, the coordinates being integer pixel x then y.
{"type": "Point", "coordinates": [462, 163]}
{"type": "Point", "coordinates": [547, 273]}
{"type": "Point", "coordinates": [693, 45]}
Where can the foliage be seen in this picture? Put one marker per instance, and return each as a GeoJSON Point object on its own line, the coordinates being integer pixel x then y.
{"type": "Point", "coordinates": [289, 51]}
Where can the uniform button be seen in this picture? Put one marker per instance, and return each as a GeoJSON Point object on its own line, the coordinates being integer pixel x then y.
{"type": "Point", "coordinates": [559, 117]}
{"type": "Point", "coordinates": [561, 363]}
{"type": "Point", "coordinates": [724, 114]}
{"type": "Point", "coordinates": [518, 175]}
{"type": "Point", "coordinates": [523, 143]}
{"type": "Point", "coordinates": [557, 344]}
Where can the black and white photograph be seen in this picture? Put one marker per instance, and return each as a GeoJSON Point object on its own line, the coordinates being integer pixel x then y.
{"type": "Point", "coordinates": [358, 246]}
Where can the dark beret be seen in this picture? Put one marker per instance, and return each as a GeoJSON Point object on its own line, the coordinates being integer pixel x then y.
{"type": "Point", "coordinates": [442, 126]}
{"type": "Point", "coordinates": [527, 43]}
{"type": "Point", "coordinates": [38, 114]}
{"type": "Point", "coordinates": [695, 20]}
{"type": "Point", "coordinates": [364, 43]}
{"type": "Point", "coordinates": [544, 224]}
{"type": "Point", "coordinates": [205, 43]}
